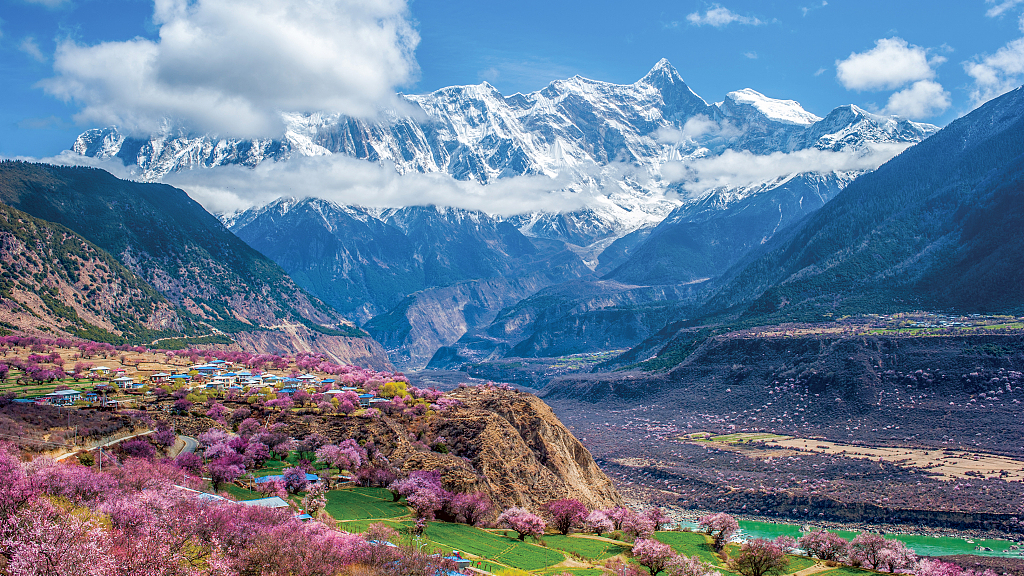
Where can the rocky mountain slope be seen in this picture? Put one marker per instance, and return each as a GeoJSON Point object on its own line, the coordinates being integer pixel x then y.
{"type": "Point", "coordinates": [701, 240]}
{"type": "Point", "coordinates": [55, 282]}
{"type": "Point", "coordinates": [168, 240]}
{"type": "Point", "coordinates": [570, 318]}
{"type": "Point", "coordinates": [935, 227]}
{"type": "Point", "coordinates": [365, 262]}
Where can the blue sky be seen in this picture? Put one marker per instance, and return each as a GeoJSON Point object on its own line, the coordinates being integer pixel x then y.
{"type": "Point", "coordinates": [926, 59]}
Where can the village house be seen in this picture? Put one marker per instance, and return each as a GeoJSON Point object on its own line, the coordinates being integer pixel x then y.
{"type": "Point", "coordinates": [63, 397]}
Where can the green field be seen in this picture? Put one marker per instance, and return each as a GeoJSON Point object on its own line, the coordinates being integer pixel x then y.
{"type": "Point", "coordinates": [589, 548]}
{"type": "Point", "coordinates": [360, 526]}
{"type": "Point", "coordinates": [239, 493]}
{"type": "Point", "coordinates": [690, 544]}
{"type": "Point", "coordinates": [506, 550]}
{"type": "Point", "coordinates": [698, 544]}
{"type": "Point", "coordinates": [798, 563]}
{"type": "Point", "coordinates": [741, 437]}
{"type": "Point", "coordinates": [363, 504]}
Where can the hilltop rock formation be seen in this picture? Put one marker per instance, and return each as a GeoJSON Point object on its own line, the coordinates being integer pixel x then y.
{"type": "Point", "coordinates": [505, 443]}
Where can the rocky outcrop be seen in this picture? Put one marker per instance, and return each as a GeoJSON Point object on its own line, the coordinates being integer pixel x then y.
{"type": "Point", "coordinates": [527, 454]}
{"type": "Point", "coordinates": [504, 443]}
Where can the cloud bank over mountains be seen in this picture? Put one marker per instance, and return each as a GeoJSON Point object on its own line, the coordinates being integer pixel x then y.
{"type": "Point", "coordinates": [350, 181]}
{"type": "Point", "coordinates": [232, 66]}
{"type": "Point", "coordinates": [737, 169]}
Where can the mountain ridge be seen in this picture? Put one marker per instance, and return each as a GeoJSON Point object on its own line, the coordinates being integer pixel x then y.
{"type": "Point", "coordinates": [586, 128]}
{"type": "Point", "coordinates": [187, 255]}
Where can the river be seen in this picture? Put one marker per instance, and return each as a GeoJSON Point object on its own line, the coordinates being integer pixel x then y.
{"type": "Point", "coordinates": [923, 545]}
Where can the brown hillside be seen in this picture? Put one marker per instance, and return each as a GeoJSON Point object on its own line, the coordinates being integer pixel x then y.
{"type": "Point", "coordinates": [505, 443]}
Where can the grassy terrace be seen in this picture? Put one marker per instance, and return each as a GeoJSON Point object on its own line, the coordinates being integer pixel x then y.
{"type": "Point", "coordinates": [500, 551]}
{"type": "Point", "coordinates": [363, 504]}
{"type": "Point", "coordinates": [497, 547]}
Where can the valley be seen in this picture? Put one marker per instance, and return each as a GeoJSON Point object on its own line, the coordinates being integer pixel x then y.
{"type": "Point", "coordinates": [914, 431]}
{"type": "Point", "coordinates": [407, 288]}
{"type": "Point", "coordinates": [837, 348]}
{"type": "Point", "coordinates": [442, 285]}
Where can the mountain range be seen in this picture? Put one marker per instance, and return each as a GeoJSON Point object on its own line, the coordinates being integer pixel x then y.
{"type": "Point", "coordinates": [420, 278]}
{"type": "Point", "coordinates": [936, 228]}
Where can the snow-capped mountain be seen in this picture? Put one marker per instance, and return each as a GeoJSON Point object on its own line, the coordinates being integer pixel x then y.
{"type": "Point", "coordinates": [648, 158]}
{"type": "Point", "coordinates": [610, 141]}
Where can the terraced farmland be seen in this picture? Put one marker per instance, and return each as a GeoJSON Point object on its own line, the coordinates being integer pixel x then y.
{"type": "Point", "coordinates": [587, 547]}
{"type": "Point", "coordinates": [363, 504]}
{"type": "Point", "coordinates": [496, 547]}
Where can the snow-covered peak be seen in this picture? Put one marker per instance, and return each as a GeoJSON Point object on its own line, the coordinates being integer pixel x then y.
{"type": "Point", "coordinates": [600, 139]}
{"type": "Point", "coordinates": [663, 70]}
{"type": "Point", "coordinates": [786, 111]}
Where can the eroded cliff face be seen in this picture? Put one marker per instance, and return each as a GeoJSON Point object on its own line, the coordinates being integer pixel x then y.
{"type": "Point", "coordinates": [536, 453]}
{"type": "Point", "coordinates": [504, 443]}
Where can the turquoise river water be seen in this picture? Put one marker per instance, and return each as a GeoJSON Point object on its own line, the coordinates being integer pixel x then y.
{"type": "Point", "coordinates": [923, 545]}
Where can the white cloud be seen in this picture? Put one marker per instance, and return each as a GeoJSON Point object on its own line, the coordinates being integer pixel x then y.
{"type": "Point", "coordinates": [719, 17]}
{"type": "Point", "coordinates": [998, 73]}
{"type": "Point", "coordinates": [736, 169]}
{"type": "Point", "coordinates": [347, 180]}
{"type": "Point", "coordinates": [695, 129]}
{"type": "Point", "coordinates": [923, 99]}
{"type": "Point", "coordinates": [752, 55]}
{"type": "Point", "coordinates": [807, 9]}
{"type": "Point", "coordinates": [69, 158]}
{"type": "Point", "coordinates": [29, 46]}
{"type": "Point", "coordinates": [891, 64]}
{"type": "Point", "coordinates": [1000, 7]}
{"type": "Point", "coordinates": [231, 66]}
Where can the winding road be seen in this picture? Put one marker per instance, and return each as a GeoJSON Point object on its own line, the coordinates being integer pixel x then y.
{"type": "Point", "coordinates": [107, 445]}
{"type": "Point", "coordinates": [190, 444]}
